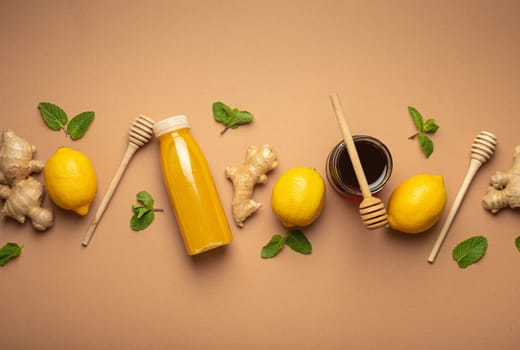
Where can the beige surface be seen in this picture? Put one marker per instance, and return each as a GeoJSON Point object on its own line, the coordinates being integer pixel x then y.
{"type": "Point", "coordinates": [456, 61]}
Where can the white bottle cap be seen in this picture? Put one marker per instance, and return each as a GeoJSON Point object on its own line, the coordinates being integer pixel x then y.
{"type": "Point", "coordinates": [169, 124]}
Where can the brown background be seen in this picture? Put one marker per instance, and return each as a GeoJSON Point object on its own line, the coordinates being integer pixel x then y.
{"type": "Point", "coordinates": [456, 61]}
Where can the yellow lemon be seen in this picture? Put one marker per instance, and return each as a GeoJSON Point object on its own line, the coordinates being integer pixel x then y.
{"type": "Point", "coordinates": [70, 180]}
{"type": "Point", "coordinates": [417, 203]}
{"type": "Point", "coordinates": [298, 197]}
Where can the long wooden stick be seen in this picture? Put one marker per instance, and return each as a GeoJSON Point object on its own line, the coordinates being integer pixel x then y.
{"type": "Point", "coordinates": [482, 150]}
{"type": "Point", "coordinates": [131, 149]}
{"type": "Point", "coordinates": [140, 133]}
{"type": "Point", "coordinates": [474, 166]}
{"type": "Point", "coordinates": [351, 147]}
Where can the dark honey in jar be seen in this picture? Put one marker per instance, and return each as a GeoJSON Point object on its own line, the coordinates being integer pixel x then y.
{"type": "Point", "coordinates": [376, 161]}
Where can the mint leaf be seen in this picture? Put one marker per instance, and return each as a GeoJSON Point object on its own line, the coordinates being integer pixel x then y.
{"type": "Point", "coordinates": [517, 243]}
{"type": "Point", "coordinates": [430, 126]}
{"type": "Point", "coordinates": [231, 118]}
{"type": "Point", "coordinates": [298, 242]}
{"type": "Point", "coordinates": [139, 223]}
{"type": "Point", "coordinates": [53, 116]}
{"type": "Point", "coordinates": [470, 251]}
{"type": "Point", "coordinates": [145, 198]}
{"type": "Point", "coordinates": [8, 252]}
{"type": "Point", "coordinates": [272, 248]}
{"type": "Point", "coordinates": [417, 118]}
{"type": "Point", "coordinates": [426, 144]}
{"type": "Point", "coordinates": [79, 125]}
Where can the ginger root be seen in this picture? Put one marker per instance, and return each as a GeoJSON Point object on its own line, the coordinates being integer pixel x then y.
{"type": "Point", "coordinates": [22, 193]}
{"type": "Point", "coordinates": [24, 199]}
{"type": "Point", "coordinates": [505, 187]}
{"type": "Point", "coordinates": [16, 158]}
{"type": "Point", "coordinates": [258, 162]}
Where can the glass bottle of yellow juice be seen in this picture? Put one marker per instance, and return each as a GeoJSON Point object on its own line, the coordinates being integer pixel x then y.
{"type": "Point", "coordinates": [191, 188]}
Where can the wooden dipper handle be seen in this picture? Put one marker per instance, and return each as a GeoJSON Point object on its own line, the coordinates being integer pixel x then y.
{"type": "Point", "coordinates": [482, 150]}
{"type": "Point", "coordinates": [140, 134]}
{"type": "Point", "coordinates": [351, 147]}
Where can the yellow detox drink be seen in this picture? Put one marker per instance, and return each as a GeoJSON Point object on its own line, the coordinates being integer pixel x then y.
{"type": "Point", "coordinates": [191, 188]}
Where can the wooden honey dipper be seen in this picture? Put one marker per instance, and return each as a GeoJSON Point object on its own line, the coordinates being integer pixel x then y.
{"type": "Point", "coordinates": [482, 150]}
{"type": "Point", "coordinates": [140, 133]}
{"type": "Point", "coordinates": [372, 210]}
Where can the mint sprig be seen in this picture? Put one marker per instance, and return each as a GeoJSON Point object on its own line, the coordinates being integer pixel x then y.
{"type": "Point", "coordinates": [295, 239]}
{"type": "Point", "coordinates": [9, 251]}
{"type": "Point", "coordinates": [56, 119]}
{"type": "Point", "coordinates": [429, 126]}
{"type": "Point", "coordinates": [143, 215]}
{"type": "Point", "coordinates": [232, 118]}
{"type": "Point", "coordinates": [470, 251]}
